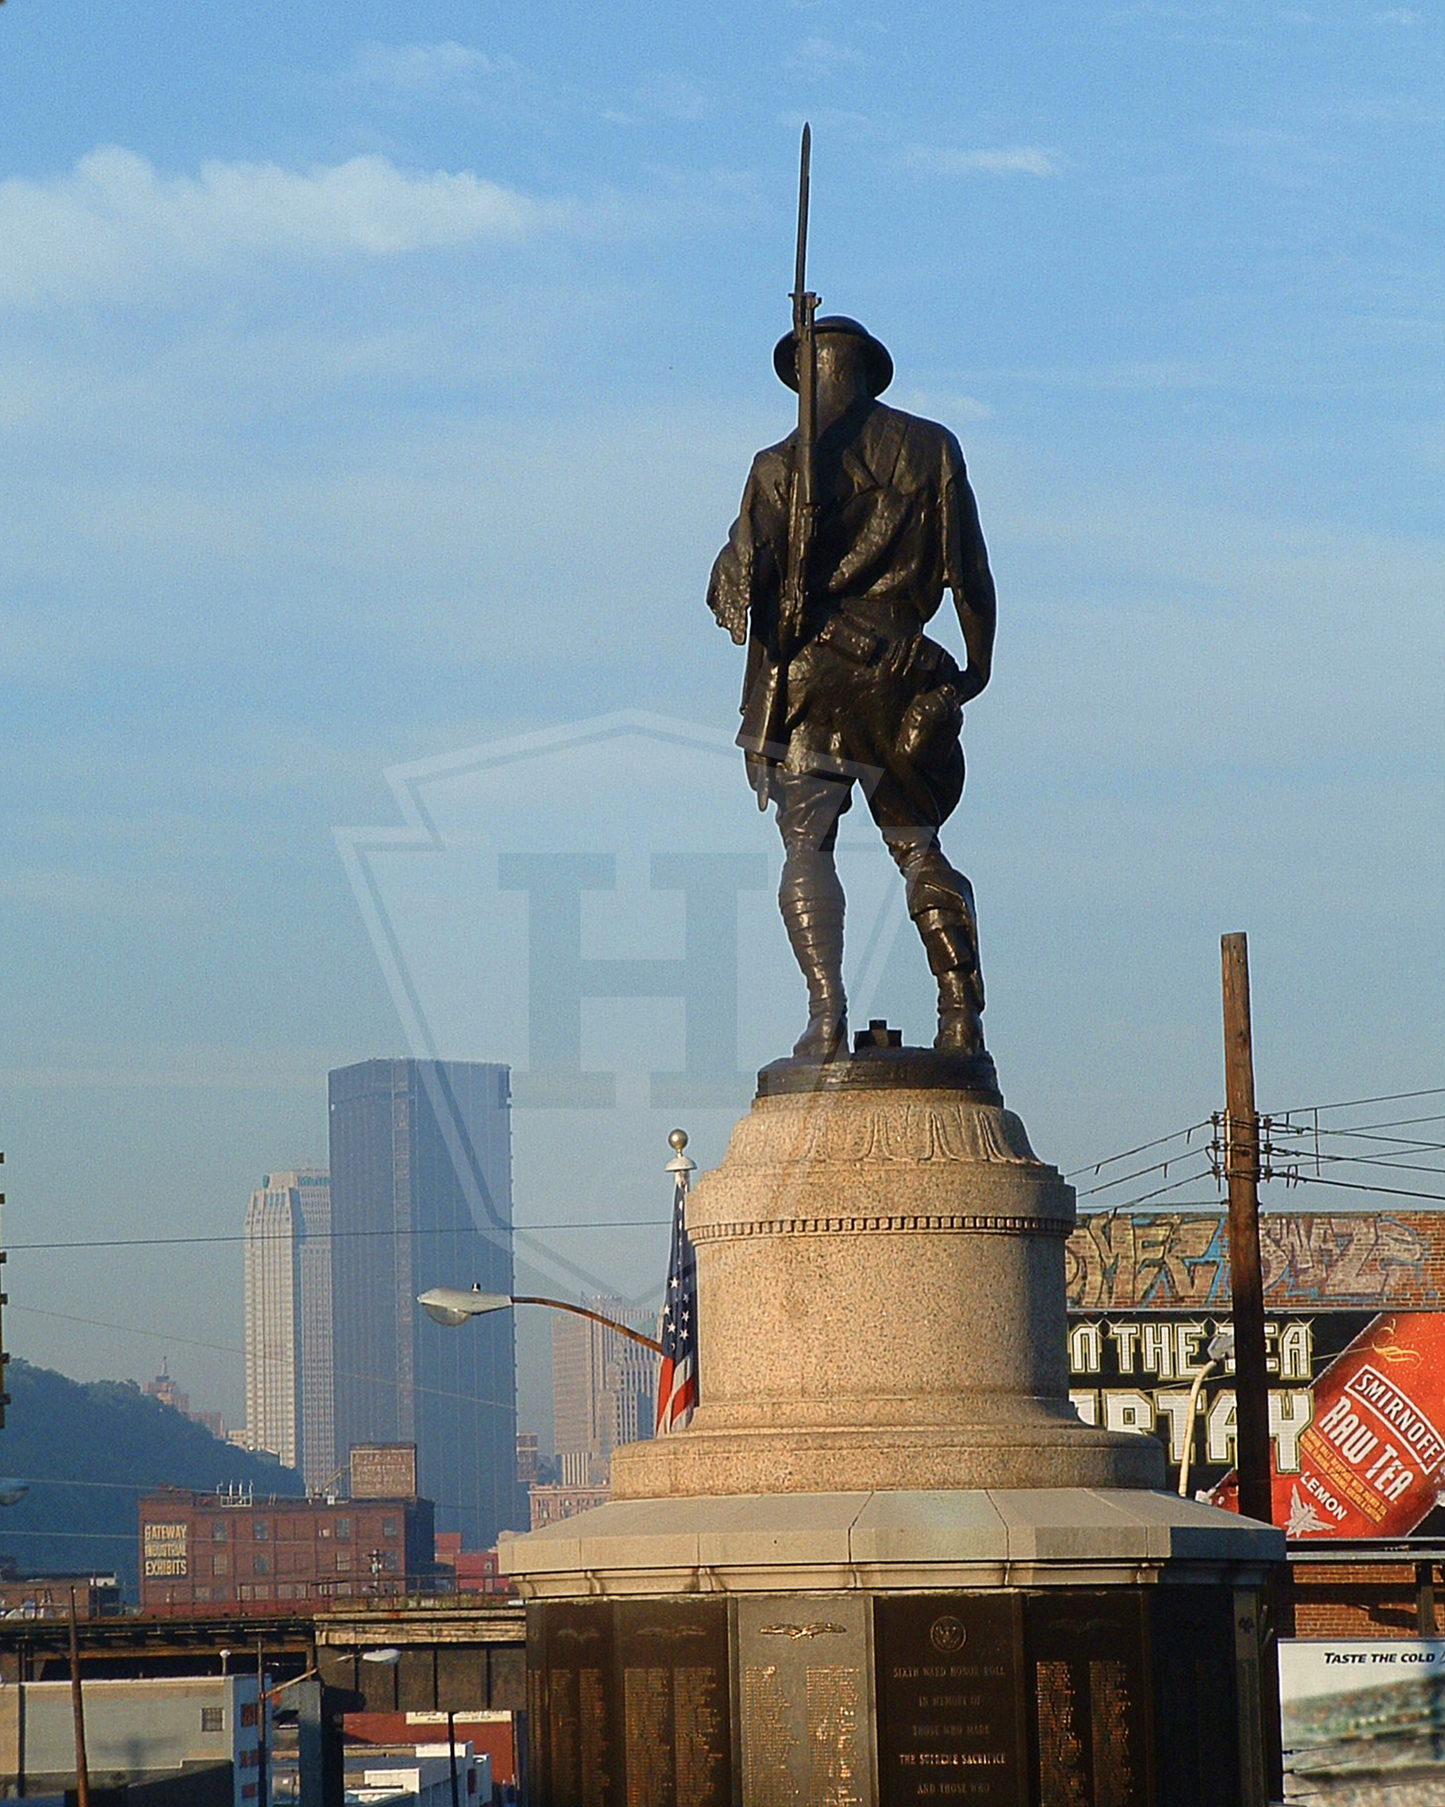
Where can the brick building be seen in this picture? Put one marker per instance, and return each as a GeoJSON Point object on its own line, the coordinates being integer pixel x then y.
{"type": "Point", "coordinates": [469, 1571]}
{"type": "Point", "coordinates": [233, 1552]}
{"type": "Point", "coordinates": [552, 1502]}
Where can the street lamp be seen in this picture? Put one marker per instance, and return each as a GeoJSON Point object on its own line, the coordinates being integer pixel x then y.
{"type": "Point", "coordinates": [1220, 1348]}
{"type": "Point", "coordinates": [453, 1305]}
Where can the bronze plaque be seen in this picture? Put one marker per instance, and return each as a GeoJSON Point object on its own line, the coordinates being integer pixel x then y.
{"type": "Point", "coordinates": [629, 1703]}
{"type": "Point", "coordinates": [1091, 1700]}
{"type": "Point", "coordinates": [677, 1731]}
{"type": "Point", "coordinates": [805, 1735]}
{"type": "Point", "coordinates": [951, 1721]}
{"type": "Point", "coordinates": [572, 1715]}
{"type": "Point", "coordinates": [1193, 1635]}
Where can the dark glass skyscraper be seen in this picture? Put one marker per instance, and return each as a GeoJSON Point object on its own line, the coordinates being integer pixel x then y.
{"type": "Point", "coordinates": [421, 1195]}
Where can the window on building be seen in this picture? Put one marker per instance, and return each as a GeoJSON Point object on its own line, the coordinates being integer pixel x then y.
{"type": "Point", "coordinates": [388, 1561]}
{"type": "Point", "coordinates": [218, 1530]}
{"type": "Point", "coordinates": [260, 1529]}
{"type": "Point", "coordinates": [220, 1565]}
{"type": "Point", "coordinates": [343, 1561]}
{"type": "Point", "coordinates": [388, 1527]}
{"type": "Point", "coordinates": [261, 1565]}
{"type": "Point", "coordinates": [343, 1527]}
{"type": "Point", "coordinates": [213, 1719]}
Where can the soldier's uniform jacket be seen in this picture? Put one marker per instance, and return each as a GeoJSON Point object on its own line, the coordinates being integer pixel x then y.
{"type": "Point", "coordinates": [867, 694]}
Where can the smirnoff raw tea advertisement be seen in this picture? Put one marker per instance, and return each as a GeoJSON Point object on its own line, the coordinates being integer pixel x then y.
{"type": "Point", "coordinates": [1357, 1410]}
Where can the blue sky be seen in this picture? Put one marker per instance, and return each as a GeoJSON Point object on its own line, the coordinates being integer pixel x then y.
{"type": "Point", "coordinates": [377, 385]}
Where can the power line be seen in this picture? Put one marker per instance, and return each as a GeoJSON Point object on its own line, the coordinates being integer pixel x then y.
{"type": "Point", "coordinates": [1316, 1179]}
{"type": "Point", "coordinates": [1350, 1104]}
{"type": "Point", "coordinates": [1143, 1148]}
{"type": "Point", "coordinates": [234, 1349]}
{"type": "Point", "coordinates": [521, 1229]}
{"type": "Point", "coordinates": [1139, 1173]}
{"type": "Point", "coordinates": [1189, 1179]}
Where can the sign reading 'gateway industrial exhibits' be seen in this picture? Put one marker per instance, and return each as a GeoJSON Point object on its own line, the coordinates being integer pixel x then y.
{"type": "Point", "coordinates": [1356, 1411]}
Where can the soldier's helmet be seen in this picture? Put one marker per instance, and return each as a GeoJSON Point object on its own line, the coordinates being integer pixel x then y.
{"type": "Point", "coordinates": [878, 362]}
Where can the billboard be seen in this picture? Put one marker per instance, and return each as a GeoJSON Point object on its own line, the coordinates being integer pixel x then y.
{"type": "Point", "coordinates": [383, 1471]}
{"type": "Point", "coordinates": [1356, 1410]}
{"type": "Point", "coordinates": [1361, 1720]}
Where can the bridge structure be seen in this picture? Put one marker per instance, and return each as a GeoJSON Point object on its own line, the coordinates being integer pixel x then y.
{"type": "Point", "coordinates": [454, 1655]}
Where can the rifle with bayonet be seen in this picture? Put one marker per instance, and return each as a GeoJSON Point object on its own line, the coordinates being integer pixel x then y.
{"type": "Point", "coordinates": [802, 503]}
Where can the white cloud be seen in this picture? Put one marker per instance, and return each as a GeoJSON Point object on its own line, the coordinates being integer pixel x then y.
{"type": "Point", "coordinates": [674, 97]}
{"type": "Point", "coordinates": [115, 224]}
{"type": "Point", "coordinates": [824, 56]}
{"type": "Point", "coordinates": [423, 71]}
{"type": "Point", "coordinates": [1018, 160]}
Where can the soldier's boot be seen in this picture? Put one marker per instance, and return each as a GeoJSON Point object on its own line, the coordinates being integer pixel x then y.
{"type": "Point", "coordinates": [811, 901]}
{"type": "Point", "coordinates": [952, 948]}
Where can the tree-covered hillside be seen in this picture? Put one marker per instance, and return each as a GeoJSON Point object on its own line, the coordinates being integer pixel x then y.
{"type": "Point", "coordinates": [86, 1452]}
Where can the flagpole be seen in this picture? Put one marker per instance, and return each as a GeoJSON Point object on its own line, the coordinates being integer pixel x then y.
{"type": "Point", "coordinates": [679, 1166]}
{"type": "Point", "coordinates": [677, 1369]}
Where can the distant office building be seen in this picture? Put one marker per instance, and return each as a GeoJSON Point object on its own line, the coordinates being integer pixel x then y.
{"type": "Point", "coordinates": [528, 1457]}
{"type": "Point", "coordinates": [604, 1388]}
{"type": "Point", "coordinates": [287, 1257]}
{"type": "Point", "coordinates": [550, 1502]}
{"type": "Point", "coordinates": [169, 1394]}
{"type": "Point", "coordinates": [421, 1195]}
{"type": "Point", "coordinates": [231, 1551]}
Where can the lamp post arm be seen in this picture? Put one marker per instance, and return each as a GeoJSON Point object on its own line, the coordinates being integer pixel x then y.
{"type": "Point", "coordinates": [581, 1311]}
{"type": "Point", "coordinates": [1194, 1392]}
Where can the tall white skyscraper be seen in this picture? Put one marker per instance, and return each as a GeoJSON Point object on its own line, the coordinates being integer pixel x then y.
{"type": "Point", "coordinates": [289, 1408]}
{"type": "Point", "coordinates": [604, 1388]}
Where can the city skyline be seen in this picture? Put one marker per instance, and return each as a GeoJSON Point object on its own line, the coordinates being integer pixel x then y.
{"type": "Point", "coordinates": [421, 1196]}
{"type": "Point", "coordinates": [287, 1264]}
{"type": "Point", "coordinates": [376, 389]}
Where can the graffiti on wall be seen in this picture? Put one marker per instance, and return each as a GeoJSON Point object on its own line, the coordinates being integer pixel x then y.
{"type": "Point", "coordinates": [1173, 1263]}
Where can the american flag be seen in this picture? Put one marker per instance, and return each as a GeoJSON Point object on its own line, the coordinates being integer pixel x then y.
{"type": "Point", "coordinates": [677, 1376]}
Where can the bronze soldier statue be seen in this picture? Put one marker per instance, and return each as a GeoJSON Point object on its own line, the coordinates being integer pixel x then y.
{"type": "Point", "coordinates": [837, 561]}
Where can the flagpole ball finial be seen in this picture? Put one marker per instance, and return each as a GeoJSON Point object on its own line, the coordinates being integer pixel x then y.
{"type": "Point", "coordinates": [677, 1140]}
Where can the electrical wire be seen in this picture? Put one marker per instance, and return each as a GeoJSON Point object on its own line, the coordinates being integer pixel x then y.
{"type": "Point", "coordinates": [235, 1349]}
{"type": "Point", "coordinates": [1350, 1104]}
{"type": "Point", "coordinates": [1316, 1179]}
{"type": "Point", "coordinates": [520, 1229]}
{"type": "Point", "coordinates": [1143, 1148]}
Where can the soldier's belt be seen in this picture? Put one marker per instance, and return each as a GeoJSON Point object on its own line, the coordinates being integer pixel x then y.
{"type": "Point", "coordinates": [858, 645]}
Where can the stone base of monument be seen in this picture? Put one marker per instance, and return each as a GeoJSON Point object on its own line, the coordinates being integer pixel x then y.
{"type": "Point", "coordinates": [1052, 1647]}
{"type": "Point", "coordinates": [886, 1562]}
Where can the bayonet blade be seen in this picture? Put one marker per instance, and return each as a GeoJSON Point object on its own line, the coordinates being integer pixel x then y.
{"type": "Point", "coordinates": [799, 277]}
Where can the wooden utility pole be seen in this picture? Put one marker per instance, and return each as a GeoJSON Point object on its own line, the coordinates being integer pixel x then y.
{"type": "Point", "coordinates": [1241, 1172]}
{"type": "Point", "coordinates": [77, 1709]}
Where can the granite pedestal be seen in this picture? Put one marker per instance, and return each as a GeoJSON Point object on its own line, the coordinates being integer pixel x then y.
{"type": "Point", "coordinates": [886, 1562]}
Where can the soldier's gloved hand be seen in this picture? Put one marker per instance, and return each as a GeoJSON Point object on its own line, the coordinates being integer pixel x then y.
{"type": "Point", "coordinates": [937, 715]}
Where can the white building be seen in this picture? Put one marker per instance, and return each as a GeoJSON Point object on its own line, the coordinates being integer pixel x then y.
{"type": "Point", "coordinates": [417, 1776]}
{"type": "Point", "coordinates": [134, 1730]}
{"type": "Point", "coordinates": [604, 1388]}
{"type": "Point", "coordinates": [287, 1257]}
